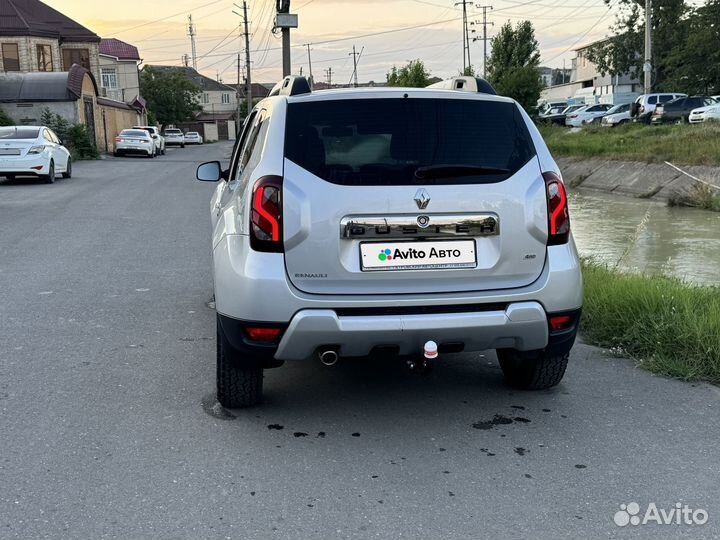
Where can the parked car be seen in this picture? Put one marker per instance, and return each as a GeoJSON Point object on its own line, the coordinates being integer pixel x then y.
{"type": "Point", "coordinates": [619, 114]}
{"type": "Point", "coordinates": [586, 114]}
{"type": "Point", "coordinates": [678, 110]}
{"type": "Point", "coordinates": [193, 137]}
{"type": "Point", "coordinates": [705, 114]}
{"type": "Point", "coordinates": [642, 108]}
{"type": "Point", "coordinates": [558, 115]}
{"type": "Point", "coordinates": [134, 141]}
{"type": "Point", "coordinates": [174, 137]}
{"type": "Point", "coordinates": [463, 241]}
{"type": "Point", "coordinates": [33, 151]}
{"type": "Point", "coordinates": [546, 107]}
{"type": "Point", "coordinates": [158, 139]}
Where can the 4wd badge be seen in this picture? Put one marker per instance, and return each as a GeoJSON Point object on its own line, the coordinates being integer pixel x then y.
{"type": "Point", "coordinates": [422, 198]}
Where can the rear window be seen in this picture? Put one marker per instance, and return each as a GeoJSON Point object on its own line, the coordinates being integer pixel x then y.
{"type": "Point", "coordinates": [385, 141]}
{"type": "Point", "coordinates": [19, 133]}
{"type": "Point", "coordinates": [173, 132]}
{"type": "Point", "coordinates": [134, 133]}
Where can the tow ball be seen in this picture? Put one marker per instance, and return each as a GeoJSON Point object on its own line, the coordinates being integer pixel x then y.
{"type": "Point", "coordinates": [423, 364]}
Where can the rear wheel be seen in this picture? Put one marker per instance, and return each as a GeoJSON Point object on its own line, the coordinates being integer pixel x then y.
{"type": "Point", "coordinates": [532, 370]}
{"type": "Point", "coordinates": [239, 380]}
{"type": "Point", "coordinates": [151, 154]}
{"type": "Point", "coordinates": [49, 178]}
{"type": "Point", "coordinates": [182, 146]}
{"type": "Point", "coordinates": [68, 169]}
{"type": "Point", "coordinates": [162, 152]}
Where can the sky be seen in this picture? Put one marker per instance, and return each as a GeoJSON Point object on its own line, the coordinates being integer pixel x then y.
{"type": "Point", "coordinates": [429, 30]}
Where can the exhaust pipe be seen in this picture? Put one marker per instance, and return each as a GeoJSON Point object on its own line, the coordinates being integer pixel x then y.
{"type": "Point", "coordinates": [328, 357]}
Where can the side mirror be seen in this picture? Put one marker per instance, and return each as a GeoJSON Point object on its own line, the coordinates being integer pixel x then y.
{"type": "Point", "coordinates": [211, 172]}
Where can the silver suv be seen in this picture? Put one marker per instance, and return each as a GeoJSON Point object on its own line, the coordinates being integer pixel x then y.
{"type": "Point", "coordinates": [405, 221]}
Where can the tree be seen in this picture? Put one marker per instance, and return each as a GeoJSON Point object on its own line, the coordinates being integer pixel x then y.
{"type": "Point", "coordinates": [5, 120]}
{"type": "Point", "coordinates": [412, 75]}
{"type": "Point", "coordinates": [623, 53]}
{"type": "Point", "coordinates": [468, 72]}
{"type": "Point", "coordinates": [694, 68]}
{"type": "Point", "coordinates": [513, 64]}
{"type": "Point", "coordinates": [170, 95]}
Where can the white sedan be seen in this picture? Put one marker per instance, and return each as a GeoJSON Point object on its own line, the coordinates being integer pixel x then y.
{"type": "Point", "coordinates": [193, 137]}
{"type": "Point", "coordinates": [33, 151]}
{"type": "Point", "coordinates": [704, 114]}
{"type": "Point", "coordinates": [587, 114]}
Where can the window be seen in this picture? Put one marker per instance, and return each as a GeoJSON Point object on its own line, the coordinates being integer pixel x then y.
{"type": "Point", "coordinates": [652, 100]}
{"type": "Point", "coordinates": [44, 58]}
{"type": "Point", "coordinates": [80, 57]}
{"type": "Point", "coordinates": [667, 97]}
{"type": "Point", "coordinates": [385, 141]}
{"type": "Point", "coordinates": [206, 98]}
{"type": "Point", "coordinates": [109, 78]}
{"type": "Point", "coordinates": [10, 57]}
{"type": "Point", "coordinates": [226, 98]}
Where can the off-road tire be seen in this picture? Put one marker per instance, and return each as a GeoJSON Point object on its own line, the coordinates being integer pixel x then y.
{"type": "Point", "coordinates": [239, 383]}
{"type": "Point", "coordinates": [532, 370]}
{"type": "Point", "coordinates": [68, 170]}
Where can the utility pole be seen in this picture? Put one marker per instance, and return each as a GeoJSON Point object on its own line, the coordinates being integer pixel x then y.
{"type": "Point", "coordinates": [191, 33]}
{"type": "Point", "coordinates": [647, 65]}
{"type": "Point", "coordinates": [328, 73]}
{"type": "Point", "coordinates": [309, 64]}
{"type": "Point", "coordinates": [466, 37]}
{"type": "Point", "coordinates": [237, 95]}
{"type": "Point", "coordinates": [355, 59]}
{"type": "Point", "coordinates": [284, 20]}
{"type": "Point", "coordinates": [485, 38]}
{"type": "Point", "coordinates": [185, 60]}
{"type": "Point", "coordinates": [248, 82]}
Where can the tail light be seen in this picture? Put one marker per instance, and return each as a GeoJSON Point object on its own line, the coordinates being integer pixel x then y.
{"type": "Point", "coordinates": [118, 139]}
{"type": "Point", "coordinates": [264, 335]}
{"type": "Point", "coordinates": [266, 215]}
{"type": "Point", "coordinates": [558, 213]}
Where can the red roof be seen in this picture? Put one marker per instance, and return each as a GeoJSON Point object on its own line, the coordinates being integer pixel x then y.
{"type": "Point", "coordinates": [119, 49]}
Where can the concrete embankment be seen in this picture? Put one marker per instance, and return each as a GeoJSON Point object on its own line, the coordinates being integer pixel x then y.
{"type": "Point", "coordinates": [644, 180]}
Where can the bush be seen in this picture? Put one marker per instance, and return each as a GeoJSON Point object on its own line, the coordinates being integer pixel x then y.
{"type": "Point", "coordinates": [5, 120]}
{"type": "Point", "coordinates": [75, 137]}
{"type": "Point", "coordinates": [80, 143]}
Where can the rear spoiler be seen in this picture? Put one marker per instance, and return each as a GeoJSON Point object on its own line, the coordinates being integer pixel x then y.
{"type": "Point", "coordinates": [466, 84]}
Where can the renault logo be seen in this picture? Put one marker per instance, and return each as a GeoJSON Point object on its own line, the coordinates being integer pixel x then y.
{"type": "Point", "coordinates": [422, 198]}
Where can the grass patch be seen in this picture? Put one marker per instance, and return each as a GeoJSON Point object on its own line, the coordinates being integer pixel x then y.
{"type": "Point", "coordinates": [666, 325]}
{"type": "Point", "coordinates": [701, 196]}
{"type": "Point", "coordinates": [681, 144]}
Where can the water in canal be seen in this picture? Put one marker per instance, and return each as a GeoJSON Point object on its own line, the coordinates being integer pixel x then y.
{"type": "Point", "coordinates": [682, 242]}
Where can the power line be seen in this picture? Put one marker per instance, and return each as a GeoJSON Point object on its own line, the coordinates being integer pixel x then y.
{"type": "Point", "coordinates": [578, 40]}
{"type": "Point", "coordinates": [164, 18]}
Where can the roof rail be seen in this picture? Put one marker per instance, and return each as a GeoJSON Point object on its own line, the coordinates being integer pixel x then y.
{"type": "Point", "coordinates": [292, 85]}
{"type": "Point", "coordinates": [466, 84]}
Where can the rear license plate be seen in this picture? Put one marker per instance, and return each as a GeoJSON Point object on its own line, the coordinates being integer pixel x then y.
{"type": "Point", "coordinates": [378, 256]}
{"type": "Point", "coordinates": [9, 152]}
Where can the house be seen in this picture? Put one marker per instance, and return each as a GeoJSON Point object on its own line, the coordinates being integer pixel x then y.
{"type": "Point", "coordinates": [215, 97]}
{"type": "Point", "coordinates": [219, 104]}
{"type": "Point", "coordinates": [119, 72]}
{"type": "Point", "coordinates": [71, 94]}
{"type": "Point", "coordinates": [35, 37]}
{"type": "Point", "coordinates": [588, 85]}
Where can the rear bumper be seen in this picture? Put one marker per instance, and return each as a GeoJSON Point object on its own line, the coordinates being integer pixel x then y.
{"type": "Point", "coordinates": [24, 165]}
{"type": "Point", "coordinates": [521, 326]}
{"type": "Point", "coordinates": [135, 151]}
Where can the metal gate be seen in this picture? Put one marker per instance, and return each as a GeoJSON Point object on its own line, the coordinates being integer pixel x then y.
{"type": "Point", "coordinates": [90, 118]}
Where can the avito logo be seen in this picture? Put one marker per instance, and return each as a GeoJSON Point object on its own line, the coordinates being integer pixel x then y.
{"type": "Point", "coordinates": [412, 253]}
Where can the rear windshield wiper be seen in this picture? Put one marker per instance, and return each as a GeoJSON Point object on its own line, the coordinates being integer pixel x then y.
{"type": "Point", "coordinates": [448, 171]}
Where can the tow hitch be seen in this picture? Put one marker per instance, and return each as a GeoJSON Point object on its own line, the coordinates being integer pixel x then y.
{"type": "Point", "coordinates": [423, 364]}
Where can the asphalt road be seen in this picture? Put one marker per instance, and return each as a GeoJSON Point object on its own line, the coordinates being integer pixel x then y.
{"type": "Point", "coordinates": [108, 430]}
